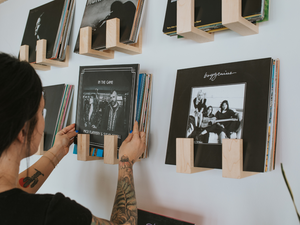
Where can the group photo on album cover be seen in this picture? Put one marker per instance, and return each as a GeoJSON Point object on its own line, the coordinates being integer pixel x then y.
{"type": "Point", "coordinates": [216, 113]}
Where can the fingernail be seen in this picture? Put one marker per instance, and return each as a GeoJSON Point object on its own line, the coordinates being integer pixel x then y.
{"type": "Point", "coordinates": [130, 132]}
{"type": "Point", "coordinates": [77, 131]}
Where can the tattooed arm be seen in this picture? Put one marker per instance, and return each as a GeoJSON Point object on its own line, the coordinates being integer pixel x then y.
{"type": "Point", "coordinates": [125, 209]}
{"type": "Point", "coordinates": [32, 179]}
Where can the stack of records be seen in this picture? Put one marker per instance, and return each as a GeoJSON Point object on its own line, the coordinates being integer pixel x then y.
{"type": "Point", "coordinates": [98, 12]}
{"type": "Point", "coordinates": [52, 22]}
{"type": "Point", "coordinates": [110, 98]}
{"type": "Point", "coordinates": [208, 14]}
{"type": "Point", "coordinates": [58, 99]}
{"type": "Point", "coordinates": [143, 105]}
{"type": "Point", "coordinates": [235, 100]}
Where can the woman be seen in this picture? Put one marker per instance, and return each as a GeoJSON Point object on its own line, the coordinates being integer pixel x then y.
{"type": "Point", "coordinates": [21, 128]}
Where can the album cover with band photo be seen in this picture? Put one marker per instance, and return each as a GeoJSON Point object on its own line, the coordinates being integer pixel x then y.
{"type": "Point", "coordinates": [229, 100]}
{"type": "Point", "coordinates": [106, 99]}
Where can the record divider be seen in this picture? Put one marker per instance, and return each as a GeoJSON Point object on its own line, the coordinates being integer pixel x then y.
{"type": "Point", "coordinates": [112, 42]}
{"type": "Point", "coordinates": [231, 18]}
{"type": "Point", "coordinates": [110, 149]}
{"type": "Point", "coordinates": [42, 63]}
{"type": "Point", "coordinates": [232, 158]}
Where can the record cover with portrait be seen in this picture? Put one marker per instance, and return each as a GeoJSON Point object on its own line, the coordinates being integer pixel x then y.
{"type": "Point", "coordinates": [106, 101]}
{"type": "Point", "coordinates": [229, 100]}
{"type": "Point", "coordinates": [149, 218]}
{"type": "Point", "coordinates": [208, 14]}
{"type": "Point", "coordinates": [97, 12]}
{"type": "Point", "coordinates": [43, 23]}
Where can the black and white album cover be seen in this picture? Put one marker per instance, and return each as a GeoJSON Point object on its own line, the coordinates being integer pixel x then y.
{"type": "Point", "coordinates": [222, 101]}
{"type": "Point", "coordinates": [149, 218]}
{"type": "Point", "coordinates": [97, 12]}
{"type": "Point", "coordinates": [43, 23]}
{"type": "Point", "coordinates": [106, 99]}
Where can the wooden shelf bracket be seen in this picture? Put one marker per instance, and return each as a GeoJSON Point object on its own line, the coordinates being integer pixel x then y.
{"type": "Point", "coordinates": [41, 47]}
{"type": "Point", "coordinates": [186, 22]}
{"type": "Point", "coordinates": [24, 56]}
{"type": "Point", "coordinates": [232, 18]}
{"type": "Point", "coordinates": [110, 149]}
{"type": "Point", "coordinates": [232, 158]}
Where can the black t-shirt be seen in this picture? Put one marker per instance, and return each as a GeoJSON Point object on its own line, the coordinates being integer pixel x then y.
{"type": "Point", "coordinates": [19, 207]}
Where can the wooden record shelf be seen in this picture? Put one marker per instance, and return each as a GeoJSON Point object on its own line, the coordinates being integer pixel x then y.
{"type": "Point", "coordinates": [1, 1]}
{"type": "Point", "coordinates": [112, 42]}
{"type": "Point", "coordinates": [231, 18]}
{"type": "Point", "coordinates": [110, 149]}
{"type": "Point", "coordinates": [232, 158]}
{"type": "Point", "coordinates": [42, 63]}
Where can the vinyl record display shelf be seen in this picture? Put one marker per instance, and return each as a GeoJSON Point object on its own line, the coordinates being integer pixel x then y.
{"type": "Point", "coordinates": [232, 158]}
{"type": "Point", "coordinates": [112, 42]}
{"type": "Point", "coordinates": [110, 149]}
{"type": "Point", "coordinates": [42, 63]}
{"type": "Point", "coordinates": [231, 18]}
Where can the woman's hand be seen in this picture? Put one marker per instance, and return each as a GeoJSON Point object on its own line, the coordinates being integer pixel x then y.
{"type": "Point", "coordinates": [134, 145]}
{"type": "Point", "coordinates": [63, 139]}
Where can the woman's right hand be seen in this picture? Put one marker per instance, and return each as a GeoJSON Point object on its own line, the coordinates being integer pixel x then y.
{"type": "Point", "coordinates": [134, 145]}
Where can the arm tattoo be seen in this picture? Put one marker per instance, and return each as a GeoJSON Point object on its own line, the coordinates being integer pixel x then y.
{"type": "Point", "coordinates": [24, 182]}
{"type": "Point", "coordinates": [125, 210]}
{"type": "Point", "coordinates": [98, 221]}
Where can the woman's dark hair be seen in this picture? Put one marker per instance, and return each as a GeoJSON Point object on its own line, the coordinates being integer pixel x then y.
{"type": "Point", "coordinates": [225, 101]}
{"type": "Point", "coordinates": [20, 96]}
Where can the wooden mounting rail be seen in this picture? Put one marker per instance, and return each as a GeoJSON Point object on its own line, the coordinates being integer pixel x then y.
{"type": "Point", "coordinates": [85, 45]}
{"type": "Point", "coordinates": [186, 22]}
{"type": "Point", "coordinates": [24, 56]}
{"type": "Point", "coordinates": [40, 150]}
{"type": "Point", "coordinates": [110, 149]}
{"type": "Point", "coordinates": [41, 50]}
{"type": "Point", "coordinates": [232, 18]}
{"type": "Point", "coordinates": [185, 156]}
{"type": "Point", "coordinates": [113, 39]}
{"type": "Point", "coordinates": [1, 1]}
{"type": "Point", "coordinates": [232, 159]}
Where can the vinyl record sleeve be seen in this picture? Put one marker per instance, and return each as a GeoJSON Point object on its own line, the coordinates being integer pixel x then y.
{"type": "Point", "coordinates": [208, 14]}
{"type": "Point", "coordinates": [98, 113]}
{"type": "Point", "coordinates": [53, 96]}
{"type": "Point", "coordinates": [43, 23]}
{"type": "Point", "coordinates": [254, 77]}
{"type": "Point", "coordinates": [98, 12]}
{"type": "Point", "coordinates": [149, 218]}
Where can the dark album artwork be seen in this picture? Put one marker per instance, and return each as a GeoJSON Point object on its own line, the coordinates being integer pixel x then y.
{"type": "Point", "coordinates": [215, 113]}
{"type": "Point", "coordinates": [97, 12]}
{"type": "Point", "coordinates": [106, 99]}
{"type": "Point", "coordinates": [148, 218]}
{"type": "Point", "coordinates": [239, 96]}
{"type": "Point", "coordinates": [43, 23]}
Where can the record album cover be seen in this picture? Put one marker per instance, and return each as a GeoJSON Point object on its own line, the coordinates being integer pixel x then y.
{"type": "Point", "coordinates": [149, 218]}
{"type": "Point", "coordinates": [106, 101]}
{"type": "Point", "coordinates": [98, 12]}
{"type": "Point", "coordinates": [222, 101]}
{"type": "Point", "coordinates": [43, 23]}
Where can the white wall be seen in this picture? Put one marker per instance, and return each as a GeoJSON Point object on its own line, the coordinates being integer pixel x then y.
{"type": "Point", "coordinates": [203, 198]}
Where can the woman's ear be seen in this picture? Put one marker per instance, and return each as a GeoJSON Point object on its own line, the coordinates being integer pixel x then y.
{"type": "Point", "coordinates": [22, 134]}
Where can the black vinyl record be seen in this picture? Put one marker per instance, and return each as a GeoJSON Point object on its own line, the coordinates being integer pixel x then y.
{"type": "Point", "coordinates": [244, 87]}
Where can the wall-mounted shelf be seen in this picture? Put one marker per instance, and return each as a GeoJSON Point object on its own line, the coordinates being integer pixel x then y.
{"type": "Point", "coordinates": [1, 1]}
{"type": "Point", "coordinates": [231, 18]}
{"type": "Point", "coordinates": [42, 63]}
{"type": "Point", "coordinates": [232, 158]}
{"type": "Point", "coordinates": [112, 42]}
{"type": "Point", "coordinates": [40, 150]}
{"type": "Point", "coordinates": [110, 149]}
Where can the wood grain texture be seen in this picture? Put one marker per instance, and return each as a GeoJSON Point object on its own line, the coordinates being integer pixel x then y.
{"type": "Point", "coordinates": [83, 147]}
{"type": "Point", "coordinates": [85, 45]}
{"type": "Point", "coordinates": [232, 18]}
{"type": "Point", "coordinates": [24, 56]}
{"type": "Point", "coordinates": [232, 159]}
{"type": "Point", "coordinates": [185, 156]}
{"type": "Point", "coordinates": [185, 22]}
{"type": "Point", "coordinates": [111, 149]}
